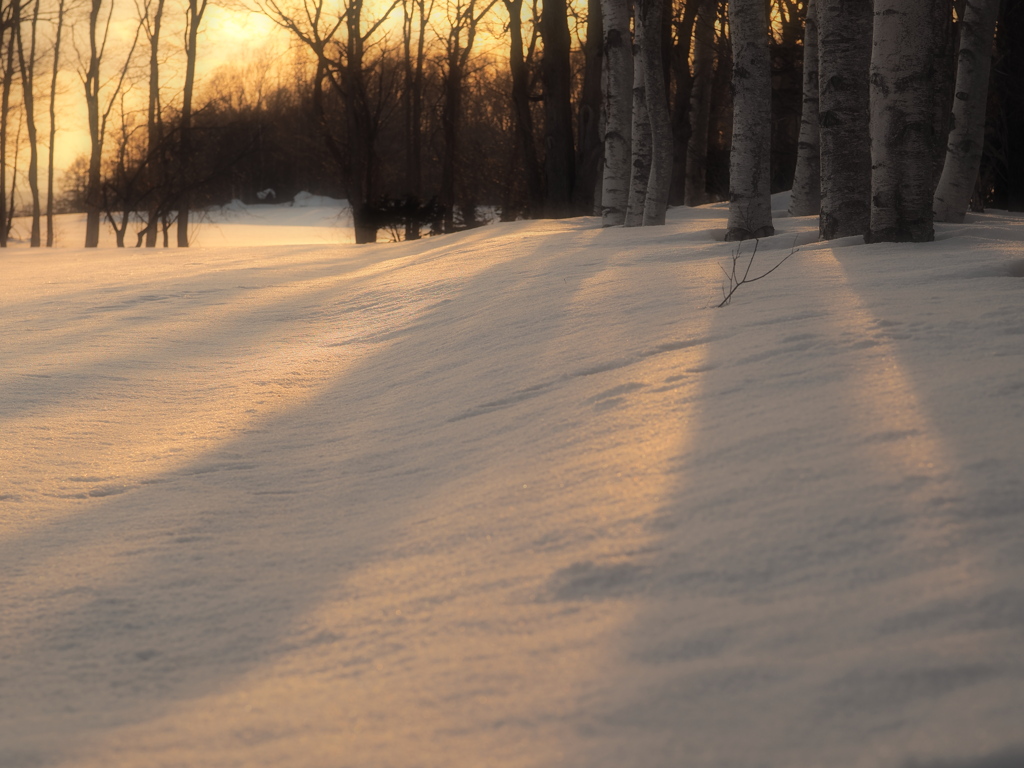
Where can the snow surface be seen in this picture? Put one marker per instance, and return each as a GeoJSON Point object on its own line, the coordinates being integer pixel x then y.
{"type": "Point", "coordinates": [515, 497]}
{"type": "Point", "coordinates": [309, 219]}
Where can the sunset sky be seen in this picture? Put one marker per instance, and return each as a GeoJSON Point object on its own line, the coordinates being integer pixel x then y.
{"type": "Point", "coordinates": [228, 37]}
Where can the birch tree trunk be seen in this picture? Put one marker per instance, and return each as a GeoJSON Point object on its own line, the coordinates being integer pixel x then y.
{"type": "Point", "coordinates": [618, 102]}
{"type": "Point", "coordinates": [806, 196]}
{"type": "Point", "coordinates": [700, 103]}
{"type": "Point", "coordinates": [750, 206]}
{"type": "Point", "coordinates": [651, 16]}
{"type": "Point", "coordinates": [902, 91]}
{"type": "Point", "coordinates": [844, 60]}
{"type": "Point", "coordinates": [641, 129]}
{"type": "Point", "coordinates": [967, 139]}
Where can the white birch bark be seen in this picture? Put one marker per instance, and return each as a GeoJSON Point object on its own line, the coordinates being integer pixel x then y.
{"type": "Point", "coordinates": [640, 167]}
{"type": "Point", "coordinates": [844, 60]}
{"type": "Point", "coordinates": [660, 179]}
{"type": "Point", "coordinates": [806, 196]}
{"type": "Point", "coordinates": [902, 96]}
{"type": "Point", "coordinates": [700, 104]}
{"type": "Point", "coordinates": [967, 137]}
{"type": "Point", "coordinates": [618, 104]}
{"type": "Point", "coordinates": [750, 207]}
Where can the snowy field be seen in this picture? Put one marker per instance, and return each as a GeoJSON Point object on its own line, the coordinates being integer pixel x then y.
{"type": "Point", "coordinates": [515, 497]}
{"type": "Point", "coordinates": [308, 220]}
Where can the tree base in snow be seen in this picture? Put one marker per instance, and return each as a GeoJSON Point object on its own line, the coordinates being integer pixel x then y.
{"type": "Point", "coordinates": [739, 233]}
{"type": "Point", "coordinates": [922, 232]}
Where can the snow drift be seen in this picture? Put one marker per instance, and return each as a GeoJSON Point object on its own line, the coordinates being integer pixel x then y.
{"type": "Point", "coordinates": [515, 497]}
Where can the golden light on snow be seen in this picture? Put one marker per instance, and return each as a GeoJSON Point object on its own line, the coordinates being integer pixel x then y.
{"type": "Point", "coordinates": [370, 662]}
{"type": "Point", "coordinates": [516, 496]}
{"type": "Point", "coordinates": [883, 394]}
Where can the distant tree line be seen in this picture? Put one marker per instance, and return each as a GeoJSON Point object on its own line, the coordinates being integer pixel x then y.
{"type": "Point", "coordinates": [881, 115]}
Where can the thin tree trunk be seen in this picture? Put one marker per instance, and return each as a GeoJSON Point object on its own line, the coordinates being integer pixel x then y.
{"type": "Point", "coordinates": [522, 112]}
{"type": "Point", "coordinates": [750, 205]}
{"type": "Point", "coordinates": [53, 124]}
{"type": "Point", "coordinates": [12, 197]}
{"type": "Point", "coordinates": [412, 99]}
{"type": "Point", "coordinates": [154, 127]}
{"type": "Point", "coordinates": [967, 139]}
{"type": "Point", "coordinates": [700, 103]}
{"type": "Point", "coordinates": [684, 84]}
{"type": "Point", "coordinates": [618, 101]}
{"type": "Point", "coordinates": [457, 55]}
{"type": "Point", "coordinates": [450, 133]}
{"type": "Point", "coordinates": [806, 195]}
{"type": "Point", "coordinates": [844, 58]}
{"type": "Point", "coordinates": [92, 99]}
{"type": "Point", "coordinates": [656, 203]}
{"type": "Point", "coordinates": [902, 93]}
{"type": "Point", "coordinates": [642, 150]}
{"type": "Point", "coordinates": [5, 107]}
{"type": "Point", "coordinates": [196, 8]}
{"type": "Point", "coordinates": [27, 66]}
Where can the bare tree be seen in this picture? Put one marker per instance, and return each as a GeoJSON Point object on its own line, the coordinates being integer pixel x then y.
{"type": "Point", "coordinates": [98, 108]}
{"type": "Point", "coordinates": [151, 13]}
{"type": "Point", "coordinates": [464, 17]}
{"type": "Point", "coordinates": [416, 14]}
{"type": "Point", "coordinates": [750, 207]}
{"type": "Point", "coordinates": [700, 102]}
{"type": "Point", "coordinates": [9, 13]}
{"type": "Point", "coordinates": [338, 41]}
{"type": "Point", "coordinates": [967, 139]}
{"type": "Point", "coordinates": [54, 72]}
{"type": "Point", "coordinates": [522, 113]}
{"type": "Point", "coordinates": [844, 47]}
{"type": "Point", "coordinates": [650, 32]}
{"type": "Point", "coordinates": [196, 9]}
{"type": "Point", "coordinates": [27, 67]}
{"type": "Point", "coordinates": [618, 99]}
{"type": "Point", "coordinates": [590, 143]}
{"type": "Point", "coordinates": [680, 34]}
{"type": "Point", "coordinates": [902, 96]}
{"type": "Point", "coordinates": [124, 187]}
{"type": "Point", "coordinates": [806, 196]}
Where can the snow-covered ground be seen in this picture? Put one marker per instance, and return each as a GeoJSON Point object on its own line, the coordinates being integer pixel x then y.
{"type": "Point", "coordinates": [308, 220]}
{"type": "Point", "coordinates": [515, 497]}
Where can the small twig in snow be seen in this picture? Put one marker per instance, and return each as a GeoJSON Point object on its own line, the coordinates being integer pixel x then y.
{"type": "Point", "coordinates": [735, 281]}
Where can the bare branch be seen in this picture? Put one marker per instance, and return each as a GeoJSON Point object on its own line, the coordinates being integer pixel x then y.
{"type": "Point", "coordinates": [735, 281]}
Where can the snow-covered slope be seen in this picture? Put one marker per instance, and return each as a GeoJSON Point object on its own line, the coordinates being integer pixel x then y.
{"type": "Point", "coordinates": [515, 497]}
